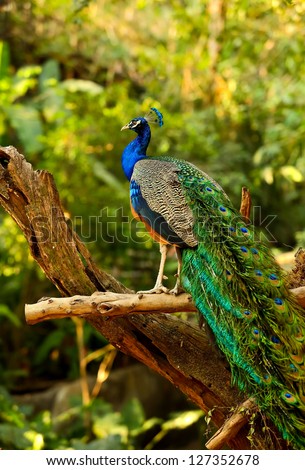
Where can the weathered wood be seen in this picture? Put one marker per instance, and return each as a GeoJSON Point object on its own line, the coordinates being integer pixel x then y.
{"type": "Point", "coordinates": [110, 305]}
{"type": "Point", "coordinates": [299, 293]}
{"type": "Point", "coordinates": [245, 205]}
{"type": "Point", "coordinates": [176, 349]}
{"type": "Point", "coordinates": [232, 425]}
{"type": "Point", "coordinates": [107, 304]}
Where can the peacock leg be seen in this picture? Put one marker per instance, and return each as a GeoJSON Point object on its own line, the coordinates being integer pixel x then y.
{"type": "Point", "coordinates": [159, 287]}
{"type": "Point", "coordinates": [178, 288]}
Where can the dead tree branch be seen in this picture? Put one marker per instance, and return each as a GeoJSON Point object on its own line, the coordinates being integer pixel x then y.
{"type": "Point", "coordinates": [232, 425]}
{"type": "Point", "coordinates": [111, 305]}
{"type": "Point", "coordinates": [107, 304]}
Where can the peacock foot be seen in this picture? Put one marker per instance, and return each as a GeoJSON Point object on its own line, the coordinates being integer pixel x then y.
{"type": "Point", "coordinates": [176, 290]}
{"type": "Point", "coordinates": [158, 289]}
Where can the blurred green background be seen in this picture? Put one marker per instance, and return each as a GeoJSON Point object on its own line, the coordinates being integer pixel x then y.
{"type": "Point", "coordinates": [229, 78]}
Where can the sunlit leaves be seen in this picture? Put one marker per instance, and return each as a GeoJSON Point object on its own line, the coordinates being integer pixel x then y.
{"type": "Point", "coordinates": [4, 59]}
{"type": "Point", "coordinates": [27, 123]}
{"type": "Point", "coordinates": [85, 86]}
{"type": "Point", "coordinates": [292, 173]}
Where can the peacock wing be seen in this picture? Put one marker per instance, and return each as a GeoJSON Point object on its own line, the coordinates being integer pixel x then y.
{"type": "Point", "coordinates": [157, 196]}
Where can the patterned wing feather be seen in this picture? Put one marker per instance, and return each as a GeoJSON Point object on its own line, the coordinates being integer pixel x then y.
{"type": "Point", "coordinates": [162, 192]}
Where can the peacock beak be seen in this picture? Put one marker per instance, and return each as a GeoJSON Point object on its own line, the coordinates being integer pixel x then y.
{"type": "Point", "coordinates": [125, 127]}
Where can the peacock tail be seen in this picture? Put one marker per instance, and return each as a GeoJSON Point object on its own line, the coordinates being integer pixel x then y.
{"type": "Point", "coordinates": [240, 290]}
{"type": "Point", "coordinates": [234, 280]}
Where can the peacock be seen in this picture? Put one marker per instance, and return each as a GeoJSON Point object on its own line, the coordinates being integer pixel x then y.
{"type": "Point", "coordinates": [233, 278]}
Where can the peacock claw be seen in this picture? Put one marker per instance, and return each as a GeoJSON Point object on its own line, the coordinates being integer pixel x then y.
{"type": "Point", "coordinates": [158, 289]}
{"type": "Point", "coordinates": [176, 290]}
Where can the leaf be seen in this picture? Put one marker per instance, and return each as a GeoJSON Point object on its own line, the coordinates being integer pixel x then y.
{"type": "Point", "coordinates": [35, 438]}
{"type": "Point", "coordinates": [29, 71]}
{"type": "Point", "coordinates": [292, 173]}
{"type": "Point", "coordinates": [179, 421]}
{"type": "Point", "coordinates": [4, 59]}
{"type": "Point", "coordinates": [50, 74]}
{"type": "Point", "coordinates": [133, 414]}
{"type": "Point", "coordinates": [6, 312]}
{"type": "Point", "coordinates": [268, 174]}
{"type": "Point", "coordinates": [108, 425]}
{"type": "Point", "coordinates": [5, 396]}
{"type": "Point", "coordinates": [183, 420]}
{"type": "Point", "coordinates": [12, 437]}
{"type": "Point", "coordinates": [25, 119]}
{"type": "Point", "coordinates": [85, 86]}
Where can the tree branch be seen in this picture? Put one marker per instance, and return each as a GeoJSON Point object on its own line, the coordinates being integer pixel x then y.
{"type": "Point", "coordinates": [111, 305]}
{"type": "Point", "coordinates": [245, 205]}
{"type": "Point", "coordinates": [232, 425]}
{"type": "Point", "coordinates": [107, 304]}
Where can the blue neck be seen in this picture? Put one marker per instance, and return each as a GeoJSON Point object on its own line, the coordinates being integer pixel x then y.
{"type": "Point", "coordinates": [135, 151]}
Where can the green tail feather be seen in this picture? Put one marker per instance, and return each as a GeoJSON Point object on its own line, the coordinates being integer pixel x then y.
{"type": "Point", "coordinates": [240, 291]}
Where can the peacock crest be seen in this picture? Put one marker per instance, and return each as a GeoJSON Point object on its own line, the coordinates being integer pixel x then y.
{"type": "Point", "coordinates": [154, 116]}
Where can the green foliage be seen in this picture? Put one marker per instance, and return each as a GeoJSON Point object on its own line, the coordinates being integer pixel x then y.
{"type": "Point", "coordinates": [108, 429]}
{"type": "Point", "coordinates": [15, 431]}
{"type": "Point", "coordinates": [6, 312]}
{"type": "Point", "coordinates": [300, 236]}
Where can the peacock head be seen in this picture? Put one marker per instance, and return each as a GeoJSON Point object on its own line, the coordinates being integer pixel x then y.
{"type": "Point", "coordinates": [137, 124]}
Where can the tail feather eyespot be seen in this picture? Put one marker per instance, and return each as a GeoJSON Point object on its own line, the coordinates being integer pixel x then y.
{"type": "Point", "coordinates": [289, 398]}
